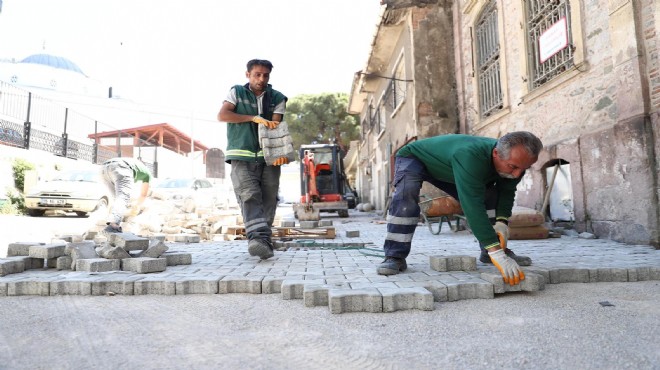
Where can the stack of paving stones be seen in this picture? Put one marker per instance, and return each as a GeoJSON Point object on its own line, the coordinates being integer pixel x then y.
{"type": "Point", "coordinates": [340, 274]}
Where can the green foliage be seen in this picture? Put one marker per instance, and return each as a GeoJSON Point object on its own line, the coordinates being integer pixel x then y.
{"type": "Point", "coordinates": [19, 167]}
{"type": "Point", "coordinates": [8, 208]}
{"type": "Point", "coordinates": [16, 203]}
{"type": "Point", "coordinates": [322, 119]}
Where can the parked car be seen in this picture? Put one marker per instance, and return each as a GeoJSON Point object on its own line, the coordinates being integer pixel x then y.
{"type": "Point", "coordinates": [11, 137]}
{"type": "Point", "coordinates": [181, 188]}
{"type": "Point", "coordinates": [79, 191]}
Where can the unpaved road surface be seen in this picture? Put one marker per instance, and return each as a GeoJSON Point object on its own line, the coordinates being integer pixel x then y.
{"type": "Point", "coordinates": [562, 327]}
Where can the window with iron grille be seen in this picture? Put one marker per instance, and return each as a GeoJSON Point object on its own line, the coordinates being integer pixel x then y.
{"type": "Point", "coordinates": [541, 15]}
{"type": "Point", "coordinates": [488, 61]}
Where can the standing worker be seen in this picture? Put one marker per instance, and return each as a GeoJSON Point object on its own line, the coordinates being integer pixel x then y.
{"type": "Point", "coordinates": [256, 183]}
{"type": "Point", "coordinates": [481, 173]}
{"type": "Point", "coordinates": [120, 175]}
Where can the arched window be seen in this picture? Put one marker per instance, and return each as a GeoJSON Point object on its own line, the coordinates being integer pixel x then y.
{"type": "Point", "coordinates": [488, 61]}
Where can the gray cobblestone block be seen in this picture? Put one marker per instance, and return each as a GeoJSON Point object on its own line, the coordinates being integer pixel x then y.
{"type": "Point", "coordinates": [3, 289]}
{"type": "Point", "coordinates": [51, 263]}
{"type": "Point", "coordinates": [608, 275]}
{"type": "Point", "coordinates": [144, 265]}
{"type": "Point", "coordinates": [352, 233]}
{"type": "Point", "coordinates": [638, 274]}
{"type": "Point", "coordinates": [63, 263]}
{"type": "Point", "coordinates": [20, 248]}
{"type": "Point", "coordinates": [84, 245]}
{"type": "Point", "coordinates": [71, 287]}
{"type": "Point", "coordinates": [98, 265]}
{"type": "Point", "coordinates": [400, 299]}
{"type": "Point", "coordinates": [121, 285]}
{"type": "Point", "coordinates": [47, 251]}
{"type": "Point", "coordinates": [325, 223]}
{"type": "Point", "coordinates": [293, 289]}
{"type": "Point", "coordinates": [187, 238]}
{"type": "Point", "coordinates": [288, 224]}
{"type": "Point", "coordinates": [177, 258]}
{"type": "Point", "coordinates": [113, 252]}
{"type": "Point", "coordinates": [90, 235]}
{"type": "Point", "coordinates": [654, 273]}
{"type": "Point", "coordinates": [271, 285]}
{"type": "Point", "coordinates": [473, 290]}
{"type": "Point", "coordinates": [453, 263]}
{"type": "Point", "coordinates": [437, 289]}
{"type": "Point", "coordinates": [569, 275]}
{"type": "Point", "coordinates": [29, 263]}
{"type": "Point", "coordinates": [130, 242]}
{"type": "Point", "coordinates": [11, 266]}
{"type": "Point", "coordinates": [539, 271]}
{"type": "Point", "coordinates": [533, 282]}
{"type": "Point", "coordinates": [198, 286]}
{"type": "Point", "coordinates": [240, 284]}
{"type": "Point", "coordinates": [28, 287]}
{"type": "Point", "coordinates": [101, 239]}
{"type": "Point", "coordinates": [159, 286]}
{"type": "Point", "coordinates": [355, 300]}
{"type": "Point", "coordinates": [316, 295]}
{"type": "Point", "coordinates": [155, 251]}
{"type": "Point", "coordinates": [309, 224]}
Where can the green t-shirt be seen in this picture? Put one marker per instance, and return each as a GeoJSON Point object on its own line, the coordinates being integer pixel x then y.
{"type": "Point", "coordinates": [467, 161]}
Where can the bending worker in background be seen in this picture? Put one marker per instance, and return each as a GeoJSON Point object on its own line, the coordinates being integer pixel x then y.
{"type": "Point", "coordinates": [120, 175]}
{"type": "Point", "coordinates": [255, 182]}
{"type": "Point", "coordinates": [481, 173]}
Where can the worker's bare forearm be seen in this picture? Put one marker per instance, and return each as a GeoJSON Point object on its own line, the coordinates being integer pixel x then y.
{"type": "Point", "coordinates": [229, 116]}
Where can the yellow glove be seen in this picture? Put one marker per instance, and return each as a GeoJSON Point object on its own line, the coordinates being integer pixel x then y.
{"type": "Point", "coordinates": [265, 122]}
{"type": "Point", "coordinates": [502, 231]}
{"type": "Point", "coordinates": [511, 273]}
{"type": "Point", "coordinates": [280, 161]}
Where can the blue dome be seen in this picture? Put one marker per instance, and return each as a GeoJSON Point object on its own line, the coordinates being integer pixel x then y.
{"type": "Point", "coordinates": [53, 61]}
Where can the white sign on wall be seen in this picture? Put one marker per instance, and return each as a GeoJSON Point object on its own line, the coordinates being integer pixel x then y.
{"type": "Point", "coordinates": [553, 40]}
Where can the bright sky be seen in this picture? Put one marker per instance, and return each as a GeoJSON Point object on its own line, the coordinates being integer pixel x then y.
{"type": "Point", "coordinates": [187, 54]}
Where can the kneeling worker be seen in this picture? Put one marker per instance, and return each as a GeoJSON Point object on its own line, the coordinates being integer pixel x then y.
{"type": "Point", "coordinates": [120, 175]}
{"type": "Point", "coordinates": [481, 173]}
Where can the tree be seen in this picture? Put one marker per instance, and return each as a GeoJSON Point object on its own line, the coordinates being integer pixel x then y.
{"type": "Point", "coordinates": [321, 119]}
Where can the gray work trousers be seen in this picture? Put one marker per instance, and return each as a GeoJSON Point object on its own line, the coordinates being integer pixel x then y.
{"type": "Point", "coordinates": [256, 185]}
{"type": "Point", "coordinates": [118, 176]}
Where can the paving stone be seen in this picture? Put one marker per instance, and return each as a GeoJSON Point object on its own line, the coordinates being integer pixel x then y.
{"type": "Point", "coordinates": [144, 265]}
{"type": "Point", "coordinates": [47, 251]}
{"type": "Point", "coordinates": [316, 295]}
{"type": "Point", "coordinates": [569, 275]}
{"type": "Point", "coordinates": [453, 263]}
{"type": "Point", "coordinates": [109, 285]}
{"type": "Point", "coordinates": [271, 285]}
{"type": "Point", "coordinates": [400, 299]}
{"type": "Point", "coordinates": [198, 286]}
{"type": "Point", "coordinates": [353, 233]}
{"type": "Point", "coordinates": [154, 251]}
{"type": "Point", "coordinates": [355, 300]}
{"type": "Point", "coordinates": [309, 224]}
{"type": "Point", "coordinates": [130, 242]}
{"type": "Point", "coordinates": [158, 286]}
{"type": "Point", "coordinates": [533, 282]}
{"type": "Point", "coordinates": [113, 252]}
{"type": "Point", "coordinates": [30, 263]}
{"type": "Point", "coordinates": [28, 287]}
{"type": "Point", "coordinates": [51, 263]}
{"type": "Point", "coordinates": [608, 275]}
{"type": "Point", "coordinates": [98, 265]}
{"type": "Point", "coordinates": [438, 290]}
{"type": "Point", "coordinates": [240, 284]}
{"type": "Point", "coordinates": [288, 224]}
{"type": "Point", "coordinates": [3, 289]}
{"type": "Point", "coordinates": [71, 287]}
{"type": "Point", "coordinates": [325, 223]}
{"type": "Point", "coordinates": [177, 258]}
{"type": "Point", "coordinates": [20, 248]}
{"type": "Point", "coordinates": [79, 245]}
{"type": "Point", "coordinates": [11, 266]}
{"type": "Point", "coordinates": [293, 289]}
{"type": "Point", "coordinates": [187, 238]}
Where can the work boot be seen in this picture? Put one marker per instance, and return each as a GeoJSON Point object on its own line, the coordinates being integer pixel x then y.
{"type": "Point", "coordinates": [521, 260]}
{"type": "Point", "coordinates": [261, 248]}
{"type": "Point", "coordinates": [392, 266]}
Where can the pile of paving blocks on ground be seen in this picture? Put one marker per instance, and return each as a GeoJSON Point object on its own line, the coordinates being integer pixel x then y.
{"type": "Point", "coordinates": [116, 252]}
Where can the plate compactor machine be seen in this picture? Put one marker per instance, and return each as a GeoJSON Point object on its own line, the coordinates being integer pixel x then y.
{"type": "Point", "coordinates": [322, 182]}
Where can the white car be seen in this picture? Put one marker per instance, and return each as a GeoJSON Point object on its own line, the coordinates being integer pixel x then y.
{"type": "Point", "coordinates": [79, 191]}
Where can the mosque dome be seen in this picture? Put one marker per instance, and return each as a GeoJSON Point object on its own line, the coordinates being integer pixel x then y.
{"type": "Point", "coordinates": [53, 61]}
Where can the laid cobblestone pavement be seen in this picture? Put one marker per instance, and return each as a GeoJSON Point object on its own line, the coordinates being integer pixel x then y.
{"type": "Point", "coordinates": [341, 273]}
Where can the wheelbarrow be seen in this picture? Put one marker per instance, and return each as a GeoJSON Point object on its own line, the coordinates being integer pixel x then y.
{"type": "Point", "coordinates": [440, 210]}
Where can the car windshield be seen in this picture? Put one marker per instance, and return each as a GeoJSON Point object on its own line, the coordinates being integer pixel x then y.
{"type": "Point", "coordinates": [89, 176]}
{"type": "Point", "coordinates": [175, 183]}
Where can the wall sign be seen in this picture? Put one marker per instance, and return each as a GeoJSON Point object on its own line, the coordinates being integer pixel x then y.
{"type": "Point", "coordinates": [553, 40]}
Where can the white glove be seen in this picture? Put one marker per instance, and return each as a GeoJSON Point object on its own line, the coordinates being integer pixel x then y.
{"type": "Point", "coordinates": [511, 272]}
{"type": "Point", "coordinates": [502, 231]}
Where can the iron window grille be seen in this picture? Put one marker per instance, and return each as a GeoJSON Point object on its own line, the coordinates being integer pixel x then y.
{"type": "Point", "coordinates": [488, 61]}
{"type": "Point", "coordinates": [541, 15]}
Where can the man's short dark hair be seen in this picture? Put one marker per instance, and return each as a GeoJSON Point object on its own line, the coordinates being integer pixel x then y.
{"type": "Point", "coordinates": [259, 62]}
{"type": "Point", "coordinates": [531, 143]}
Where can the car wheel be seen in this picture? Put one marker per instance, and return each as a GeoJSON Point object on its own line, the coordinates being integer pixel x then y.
{"type": "Point", "coordinates": [36, 212]}
{"type": "Point", "coordinates": [343, 213]}
{"type": "Point", "coordinates": [82, 214]}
